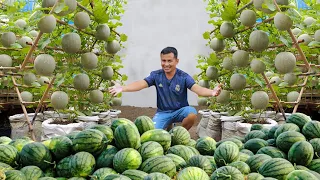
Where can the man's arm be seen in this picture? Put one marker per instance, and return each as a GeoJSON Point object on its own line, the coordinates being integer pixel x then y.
{"type": "Point", "coordinates": [205, 92]}
{"type": "Point", "coordinates": [135, 86]}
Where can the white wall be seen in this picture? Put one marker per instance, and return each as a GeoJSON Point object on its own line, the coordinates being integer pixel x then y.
{"type": "Point", "coordinates": [152, 25]}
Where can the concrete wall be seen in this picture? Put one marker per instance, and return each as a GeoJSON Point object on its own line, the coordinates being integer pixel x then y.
{"type": "Point", "coordinates": [152, 25]}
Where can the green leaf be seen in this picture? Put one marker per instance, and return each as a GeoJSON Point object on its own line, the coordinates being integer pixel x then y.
{"type": "Point", "coordinates": [206, 35]}
{"type": "Point", "coordinates": [43, 44]}
{"type": "Point", "coordinates": [270, 5]}
{"type": "Point", "coordinates": [99, 12]}
{"type": "Point", "coordinates": [230, 11]}
{"type": "Point", "coordinates": [124, 77]}
{"type": "Point", "coordinates": [284, 41]}
{"type": "Point", "coordinates": [60, 7]}
{"type": "Point", "coordinates": [123, 37]}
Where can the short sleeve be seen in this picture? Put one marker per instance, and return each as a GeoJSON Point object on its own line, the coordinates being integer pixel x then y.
{"type": "Point", "coordinates": [150, 79]}
{"type": "Point", "coordinates": [189, 81]}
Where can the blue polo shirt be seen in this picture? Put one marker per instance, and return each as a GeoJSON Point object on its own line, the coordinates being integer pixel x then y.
{"type": "Point", "coordinates": [171, 94]}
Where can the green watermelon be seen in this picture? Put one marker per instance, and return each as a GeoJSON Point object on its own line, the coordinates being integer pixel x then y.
{"type": "Point", "coordinates": [8, 154]}
{"type": "Point", "coordinates": [206, 145]}
{"type": "Point", "coordinates": [60, 146]}
{"type": "Point", "coordinates": [72, 135]}
{"type": "Point", "coordinates": [301, 153]}
{"type": "Point", "coordinates": [271, 142]}
{"type": "Point", "coordinates": [32, 172]}
{"type": "Point", "coordinates": [299, 167]}
{"type": "Point", "coordinates": [241, 166]}
{"type": "Point", "coordinates": [234, 140]}
{"type": "Point", "coordinates": [126, 136]}
{"type": "Point", "coordinates": [63, 167]}
{"type": "Point", "coordinates": [47, 178]}
{"type": "Point", "coordinates": [14, 175]}
{"type": "Point", "coordinates": [194, 150]}
{"type": "Point", "coordinates": [201, 162]}
{"type": "Point", "coordinates": [192, 143]}
{"type": "Point", "coordinates": [192, 173]}
{"type": "Point", "coordinates": [4, 167]}
{"type": "Point", "coordinates": [314, 165]}
{"type": "Point", "coordinates": [286, 127]}
{"type": "Point", "coordinates": [19, 143]}
{"type": "Point", "coordinates": [311, 129]}
{"type": "Point", "coordinates": [144, 124]}
{"type": "Point", "coordinates": [50, 172]}
{"type": "Point", "coordinates": [116, 177]}
{"type": "Point", "coordinates": [178, 161]}
{"type": "Point", "coordinates": [227, 172]}
{"type": "Point", "coordinates": [226, 153]}
{"type": "Point", "coordinates": [135, 174]}
{"type": "Point", "coordinates": [247, 151]}
{"type": "Point", "coordinates": [101, 173]}
{"type": "Point", "coordinates": [212, 161]}
{"type": "Point", "coordinates": [5, 140]}
{"type": "Point", "coordinates": [265, 131]}
{"type": "Point", "coordinates": [179, 136]}
{"type": "Point", "coordinates": [272, 130]}
{"type": "Point", "coordinates": [127, 158]}
{"type": "Point", "coordinates": [255, 144]}
{"type": "Point", "coordinates": [105, 159]}
{"type": "Point", "coordinates": [299, 119]}
{"type": "Point", "coordinates": [256, 127]}
{"type": "Point", "coordinates": [277, 168]}
{"type": "Point", "coordinates": [272, 152]}
{"type": "Point", "coordinates": [150, 149]}
{"type": "Point", "coordinates": [301, 175]}
{"type": "Point", "coordinates": [182, 151]}
{"type": "Point", "coordinates": [316, 146]}
{"type": "Point", "coordinates": [36, 154]}
{"type": "Point", "coordinates": [157, 176]}
{"type": "Point", "coordinates": [256, 161]}
{"type": "Point", "coordinates": [117, 122]}
{"type": "Point", "coordinates": [286, 139]}
{"type": "Point", "coordinates": [160, 164]}
{"type": "Point", "coordinates": [254, 176]}
{"type": "Point", "coordinates": [243, 156]}
{"type": "Point", "coordinates": [82, 164]}
{"type": "Point", "coordinates": [255, 134]}
{"type": "Point", "coordinates": [106, 130]}
{"type": "Point", "coordinates": [159, 135]}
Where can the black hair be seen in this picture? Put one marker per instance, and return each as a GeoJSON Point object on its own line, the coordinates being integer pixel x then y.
{"type": "Point", "coordinates": [169, 50]}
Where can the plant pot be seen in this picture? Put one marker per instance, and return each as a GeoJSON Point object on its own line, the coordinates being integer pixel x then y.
{"type": "Point", "coordinates": [107, 117]}
{"type": "Point", "coordinates": [210, 124]}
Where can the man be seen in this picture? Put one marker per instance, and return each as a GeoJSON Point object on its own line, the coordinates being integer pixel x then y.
{"type": "Point", "coordinates": [171, 84]}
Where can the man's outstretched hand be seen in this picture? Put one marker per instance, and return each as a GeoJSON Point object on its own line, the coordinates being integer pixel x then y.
{"type": "Point", "coordinates": [217, 90]}
{"type": "Point", "coordinates": [116, 89]}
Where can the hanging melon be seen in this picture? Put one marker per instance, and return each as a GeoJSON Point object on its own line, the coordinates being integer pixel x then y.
{"type": "Point", "coordinates": [317, 35]}
{"type": "Point", "coordinates": [102, 32]}
{"type": "Point", "coordinates": [107, 73]}
{"type": "Point", "coordinates": [47, 24]}
{"type": "Point", "coordinates": [34, 33]}
{"type": "Point", "coordinates": [29, 78]}
{"type": "Point", "coordinates": [259, 100]}
{"type": "Point", "coordinates": [217, 45]}
{"type": "Point", "coordinates": [48, 3]}
{"type": "Point", "coordinates": [227, 63]}
{"type": "Point", "coordinates": [5, 60]}
{"type": "Point", "coordinates": [59, 100]}
{"type": "Point", "coordinates": [82, 20]}
{"type": "Point", "coordinates": [306, 38]}
{"type": "Point", "coordinates": [20, 23]}
{"type": "Point", "coordinates": [26, 96]}
{"type": "Point", "coordinates": [309, 21]}
{"type": "Point", "coordinates": [227, 29]}
{"type": "Point", "coordinates": [204, 83]}
{"type": "Point", "coordinates": [44, 64]}
{"type": "Point", "coordinates": [248, 17]}
{"type": "Point", "coordinates": [269, 74]}
{"type": "Point", "coordinates": [112, 47]}
{"type": "Point", "coordinates": [282, 21]}
{"type": "Point", "coordinates": [292, 96]}
{"type": "Point", "coordinates": [285, 62]}
{"type": "Point", "coordinates": [290, 78]}
{"type": "Point", "coordinates": [238, 82]}
{"type": "Point", "coordinates": [71, 43]}
{"type": "Point", "coordinates": [240, 58]}
{"type": "Point", "coordinates": [202, 101]}
{"type": "Point", "coordinates": [96, 96]}
{"type": "Point", "coordinates": [275, 80]}
{"type": "Point", "coordinates": [258, 5]}
{"type": "Point", "coordinates": [89, 60]}
{"type": "Point", "coordinates": [81, 81]}
{"type": "Point", "coordinates": [43, 80]}
{"type": "Point", "coordinates": [71, 6]}
{"type": "Point", "coordinates": [116, 101]}
{"type": "Point", "coordinates": [212, 73]}
{"type": "Point", "coordinates": [258, 40]}
{"type": "Point", "coordinates": [257, 66]}
{"type": "Point", "coordinates": [25, 41]}
{"type": "Point", "coordinates": [8, 38]}
{"type": "Point", "coordinates": [296, 31]}
{"type": "Point", "coordinates": [223, 97]}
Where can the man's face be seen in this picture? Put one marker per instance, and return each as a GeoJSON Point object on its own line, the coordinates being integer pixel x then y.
{"type": "Point", "coordinates": [168, 62]}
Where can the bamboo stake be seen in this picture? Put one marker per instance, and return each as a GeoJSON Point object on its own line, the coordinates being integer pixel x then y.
{"type": "Point", "coordinates": [300, 94]}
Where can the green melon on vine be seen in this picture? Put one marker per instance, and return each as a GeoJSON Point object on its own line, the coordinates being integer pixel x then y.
{"type": "Point", "coordinates": [275, 80]}
{"type": "Point", "coordinates": [257, 66]}
{"type": "Point", "coordinates": [212, 73]}
{"type": "Point", "coordinates": [81, 81]}
{"type": "Point", "coordinates": [20, 23]}
{"type": "Point", "coordinates": [96, 96]}
{"type": "Point", "coordinates": [258, 40]}
{"type": "Point", "coordinates": [34, 33]}
{"type": "Point", "coordinates": [306, 38]}
{"type": "Point", "coordinates": [29, 78]}
{"type": "Point", "coordinates": [47, 24]}
{"type": "Point", "coordinates": [227, 63]}
{"type": "Point", "coordinates": [227, 30]}
{"type": "Point", "coordinates": [202, 101]}
{"type": "Point", "coordinates": [296, 31]}
{"type": "Point", "coordinates": [26, 96]}
{"type": "Point", "coordinates": [292, 96]}
{"type": "Point", "coordinates": [204, 83]}
{"type": "Point", "coordinates": [82, 20]}
{"type": "Point", "coordinates": [282, 21]}
{"type": "Point", "coordinates": [240, 58]}
{"type": "Point", "coordinates": [285, 62]}
{"type": "Point", "coordinates": [290, 78]}
{"type": "Point", "coordinates": [59, 100]}
{"type": "Point", "coordinates": [217, 45]}
{"type": "Point", "coordinates": [24, 41]}
{"type": "Point", "coordinates": [308, 21]}
{"type": "Point", "coordinates": [5, 60]}
{"type": "Point", "coordinates": [71, 43]}
{"type": "Point", "coordinates": [71, 7]}
{"type": "Point", "coordinates": [8, 38]}
{"type": "Point", "coordinates": [248, 17]}
{"type": "Point", "coordinates": [102, 32]}
{"type": "Point", "coordinates": [112, 47]}
{"type": "Point", "coordinates": [223, 97]}
{"type": "Point", "coordinates": [89, 60]}
{"type": "Point", "coordinates": [44, 64]}
{"type": "Point", "coordinates": [107, 73]}
{"type": "Point", "coordinates": [260, 100]}
{"type": "Point", "coordinates": [238, 82]}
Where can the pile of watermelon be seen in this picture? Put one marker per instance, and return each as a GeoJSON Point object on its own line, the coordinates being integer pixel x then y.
{"type": "Point", "coordinates": [136, 150]}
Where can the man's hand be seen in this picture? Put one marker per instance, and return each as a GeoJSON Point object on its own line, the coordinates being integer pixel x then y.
{"type": "Point", "coordinates": [116, 89]}
{"type": "Point", "coordinates": [217, 90]}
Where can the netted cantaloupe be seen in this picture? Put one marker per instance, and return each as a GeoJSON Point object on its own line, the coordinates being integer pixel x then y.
{"type": "Point", "coordinates": [285, 62]}
{"type": "Point", "coordinates": [44, 64]}
{"type": "Point", "coordinates": [81, 81]}
{"type": "Point", "coordinates": [82, 20]}
{"type": "Point", "coordinates": [317, 35]}
{"type": "Point", "coordinates": [202, 101]}
{"type": "Point", "coordinates": [102, 32]}
{"type": "Point", "coordinates": [259, 100]}
{"type": "Point", "coordinates": [258, 5]}
{"type": "Point", "coordinates": [258, 40]}
{"type": "Point", "coordinates": [96, 96]}
{"type": "Point", "coordinates": [71, 43]}
{"type": "Point", "coordinates": [34, 33]}
{"type": "Point", "coordinates": [292, 96]}
{"type": "Point", "coordinates": [112, 47]}
{"type": "Point", "coordinates": [204, 83]}
{"type": "Point", "coordinates": [72, 6]}
{"type": "Point", "coordinates": [306, 38]}
{"type": "Point", "coordinates": [5, 60]}
{"type": "Point", "coordinates": [25, 41]}
{"type": "Point", "coordinates": [48, 3]}
{"type": "Point", "coordinates": [26, 96]}
{"type": "Point", "coordinates": [227, 29]}
{"type": "Point", "coordinates": [212, 73]}
{"type": "Point", "coordinates": [248, 17]}
{"type": "Point", "coordinates": [238, 82]}
{"type": "Point", "coordinates": [47, 24]}
{"type": "Point", "coordinates": [8, 38]}
{"type": "Point", "coordinates": [282, 21]}
{"type": "Point", "coordinates": [217, 45]}
{"type": "Point", "coordinates": [223, 97]}
{"type": "Point", "coordinates": [43, 80]}
{"type": "Point", "coordinates": [20, 23]}
{"type": "Point", "coordinates": [257, 66]}
{"type": "Point", "coordinates": [59, 100]}
{"type": "Point", "coordinates": [29, 78]}
{"type": "Point", "coordinates": [296, 31]}
{"type": "Point", "coordinates": [240, 58]}
{"type": "Point", "coordinates": [309, 20]}
{"type": "Point", "coordinates": [116, 101]}
{"type": "Point", "coordinates": [227, 63]}
{"type": "Point", "coordinates": [290, 78]}
{"type": "Point", "coordinates": [89, 60]}
{"type": "Point", "coordinates": [107, 73]}
{"type": "Point", "coordinates": [275, 80]}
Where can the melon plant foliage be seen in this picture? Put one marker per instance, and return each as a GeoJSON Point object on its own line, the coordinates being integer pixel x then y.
{"type": "Point", "coordinates": [245, 37]}
{"type": "Point", "coordinates": [67, 53]}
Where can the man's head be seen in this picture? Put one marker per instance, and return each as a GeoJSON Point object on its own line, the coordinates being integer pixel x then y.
{"type": "Point", "coordinates": [169, 59]}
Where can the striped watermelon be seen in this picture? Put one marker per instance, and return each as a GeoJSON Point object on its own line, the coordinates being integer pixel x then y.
{"type": "Point", "coordinates": [150, 149]}
{"type": "Point", "coordinates": [105, 159]}
{"type": "Point", "coordinates": [127, 158]}
{"type": "Point", "coordinates": [301, 175]}
{"type": "Point", "coordinates": [160, 164]}
{"type": "Point", "coordinates": [311, 129]}
{"type": "Point", "coordinates": [277, 168]}
{"type": "Point", "coordinates": [50, 172]}
{"type": "Point", "coordinates": [299, 167]}
{"type": "Point", "coordinates": [72, 135]}
{"type": "Point", "coordinates": [106, 130]}
{"type": "Point", "coordinates": [301, 153]}
{"type": "Point", "coordinates": [255, 134]}
{"type": "Point", "coordinates": [159, 135]}
{"type": "Point", "coordinates": [254, 176]}
{"type": "Point", "coordinates": [178, 161]}
{"type": "Point", "coordinates": [247, 151]}
{"type": "Point", "coordinates": [82, 164]}
{"type": "Point", "coordinates": [117, 122]}
{"type": "Point", "coordinates": [265, 131]}
{"type": "Point", "coordinates": [241, 166]}
{"type": "Point", "coordinates": [194, 150]}
{"type": "Point", "coordinates": [126, 136]}
{"type": "Point", "coordinates": [179, 136]}
{"type": "Point", "coordinates": [255, 144]}
{"type": "Point", "coordinates": [316, 146]}
{"type": "Point", "coordinates": [5, 140]}
{"type": "Point", "coordinates": [201, 162]}
{"type": "Point", "coordinates": [90, 140]}
{"type": "Point", "coordinates": [135, 174]}
{"type": "Point", "coordinates": [192, 143]}
{"type": "Point", "coordinates": [182, 151]}
{"type": "Point", "coordinates": [192, 173]}
{"type": "Point", "coordinates": [144, 124]}
{"type": "Point", "coordinates": [227, 172]}
{"type": "Point", "coordinates": [272, 130]}
{"type": "Point", "coordinates": [314, 165]}
{"type": "Point", "coordinates": [4, 167]}
{"type": "Point", "coordinates": [14, 175]}
{"type": "Point", "coordinates": [243, 156]}
{"type": "Point", "coordinates": [256, 161]}
{"type": "Point", "coordinates": [286, 127]}
{"type": "Point", "coordinates": [8, 154]}
{"type": "Point", "coordinates": [157, 176]}
{"type": "Point", "coordinates": [256, 127]}
{"type": "Point", "coordinates": [286, 139]}
{"type": "Point", "coordinates": [299, 119]}
{"type": "Point", "coordinates": [272, 152]}
{"type": "Point", "coordinates": [212, 161]}
{"type": "Point", "coordinates": [101, 173]}
{"type": "Point", "coordinates": [116, 177]}
{"type": "Point", "coordinates": [226, 153]}
{"type": "Point", "coordinates": [36, 154]}
{"type": "Point", "coordinates": [206, 145]}
{"type": "Point", "coordinates": [19, 143]}
{"type": "Point", "coordinates": [271, 142]}
{"type": "Point", "coordinates": [32, 172]}
{"type": "Point", "coordinates": [63, 167]}
{"type": "Point", "coordinates": [234, 140]}
{"type": "Point", "coordinates": [60, 146]}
